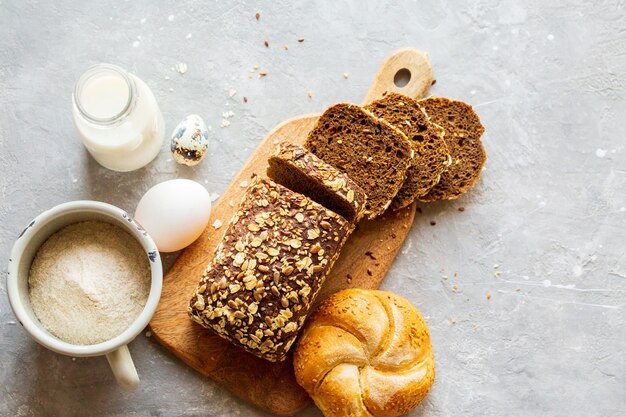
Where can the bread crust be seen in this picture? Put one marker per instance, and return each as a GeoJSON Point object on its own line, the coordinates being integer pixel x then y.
{"type": "Point", "coordinates": [365, 353]}
{"type": "Point", "coordinates": [463, 132]}
{"type": "Point", "coordinates": [268, 269]}
{"type": "Point", "coordinates": [372, 152]}
{"type": "Point", "coordinates": [432, 156]}
{"type": "Point", "coordinates": [296, 168]}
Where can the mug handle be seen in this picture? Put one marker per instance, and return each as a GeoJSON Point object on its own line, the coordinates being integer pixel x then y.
{"type": "Point", "coordinates": [123, 368]}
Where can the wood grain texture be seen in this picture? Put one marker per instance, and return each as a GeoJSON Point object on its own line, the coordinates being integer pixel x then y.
{"type": "Point", "coordinates": [363, 263]}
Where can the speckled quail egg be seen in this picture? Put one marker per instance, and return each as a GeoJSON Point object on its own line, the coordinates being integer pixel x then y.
{"type": "Point", "coordinates": [190, 140]}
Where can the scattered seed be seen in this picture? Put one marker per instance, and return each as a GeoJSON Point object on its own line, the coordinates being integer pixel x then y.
{"type": "Point", "coordinates": [245, 99]}
{"type": "Point", "coordinates": [310, 94]}
{"type": "Point", "coordinates": [286, 47]}
{"type": "Point", "coordinates": [432, 222]}
{"type": "Point", "coordinates": [461, 209]}
{"type": "Point", "coordinates": [262, 74]}
{"type": "Point", "coordinates": [267, 44]}
{"type": "Point", "coordinates": [369, 272]}
{"type": "Point", "coordinates": [370, 255]}
{"type": "Point", "coordinates": [217, 224]}
{"type": "Point", "coordinates": [257, 16]}
{"type": "Point", "coordinates": [346, 75]}
{"type": "Point", "coordinates": [488, 296]}
{"type": "Point", "coordinates": [433, 82]}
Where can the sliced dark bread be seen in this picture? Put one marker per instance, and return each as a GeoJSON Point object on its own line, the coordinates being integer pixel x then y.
{"type": "Point", "coordinates": [299, 170]}
{"type": "Point", "coordinates": [372, 152]}
{"type": "Point", "coordinates": [431, 153]}
{"type": "Point", "coordinates": [463, 131]}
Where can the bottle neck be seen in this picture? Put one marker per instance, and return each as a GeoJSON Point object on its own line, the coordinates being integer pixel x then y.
{"type": "Point", "coordinates": [104, 95]}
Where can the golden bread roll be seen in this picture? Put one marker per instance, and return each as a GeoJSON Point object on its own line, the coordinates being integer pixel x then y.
{"type": "Point", "coordinates": [365, 353]}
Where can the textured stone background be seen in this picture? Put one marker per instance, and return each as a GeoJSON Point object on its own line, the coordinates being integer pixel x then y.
{"type": "Point", "coordinates": [549, 83]}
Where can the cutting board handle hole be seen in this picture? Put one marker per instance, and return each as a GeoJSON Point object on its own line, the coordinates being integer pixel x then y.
{"type": "Point", "coordinates": [402, 77]}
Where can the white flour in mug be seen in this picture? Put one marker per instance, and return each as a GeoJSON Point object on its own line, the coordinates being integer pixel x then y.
{"type": "Point", "coordinates": [89, 282]}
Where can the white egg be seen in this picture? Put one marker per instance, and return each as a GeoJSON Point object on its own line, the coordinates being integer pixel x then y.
{"type": "Point", "coordinates": [174, 213]}
{"type": "Point", "coordinates": [190, 140]}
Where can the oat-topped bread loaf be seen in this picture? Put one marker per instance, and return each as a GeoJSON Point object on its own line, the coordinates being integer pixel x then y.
{"type": "Point", "coordinates": [268, 268]}
{"type": "Point", "coordinates": [299, 170]}
{"type": "Point", "coordinates": [463, 131]}
{"type": "Point", "coordinates": [431, 153]}
{"type": "Point", "coordinates": [373, 153]}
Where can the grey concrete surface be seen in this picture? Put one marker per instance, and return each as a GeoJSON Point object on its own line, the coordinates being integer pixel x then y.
{"type": "Point", "coordinates": [548, 79]}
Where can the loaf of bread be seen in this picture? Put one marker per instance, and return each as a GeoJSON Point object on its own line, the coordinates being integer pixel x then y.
{"type": "Point", "coordinates": [431, 153]}
{"type": "Point", "coordinates": [268, 268]}
{"type": "Point", "coordinates": [365, 353]}
{"type": "Point", "coordinates": [370, 151]}
{"type": "Point", "coordinates": [463, 131]}
{"type": "Point", "coordinates": [299, 170]}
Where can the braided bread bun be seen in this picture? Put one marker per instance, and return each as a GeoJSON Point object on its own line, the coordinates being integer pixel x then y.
{"type": "Point", "coordinates": [365, 353]}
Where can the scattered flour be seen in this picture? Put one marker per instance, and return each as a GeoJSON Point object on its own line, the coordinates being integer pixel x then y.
{"type": "Point", "coordinates": [88, 282]}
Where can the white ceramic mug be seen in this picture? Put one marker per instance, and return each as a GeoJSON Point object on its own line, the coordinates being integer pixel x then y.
{"type": "Point", "coordinates": [22, 255]}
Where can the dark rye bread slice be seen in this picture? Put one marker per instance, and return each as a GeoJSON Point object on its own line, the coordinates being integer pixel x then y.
{"type": "Point", "coordinates": [369, 150]}
{"type": "Point", "coordinates": [299, 170]}
{"type": "Point", "coordinates": [431, 153]}
{"type": "Point", "coordinates": [463, 132]}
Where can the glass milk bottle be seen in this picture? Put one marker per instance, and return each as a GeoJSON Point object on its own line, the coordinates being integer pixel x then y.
{"type": "Point", "coordinates": [117, 118]}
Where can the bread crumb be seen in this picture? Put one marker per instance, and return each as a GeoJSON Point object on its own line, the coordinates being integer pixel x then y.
{"type": "Point", "coordinates": [488, 296]}
{"type": "Point", "coordinates": [518, 289]}
{"type": "Point", "coordinates": [249, 75]}
{"type": "Point", "coordinates": [225, 123]}
{"type": "Point", "coordinates": [257, 16]}
{"type": "Point", "coordinates": [243, 184]}
{"type": "Point", "coordinates": [181, 68]}
{"type": "Point", "coordinates": [432, 222]}
{"type": "Point", "coordinates": [453, 321]}
{"type": "Point", "coordinates": [232, 92]}
{"type": "Point", "coordinates": [497, 273]}
{"type": "Point", "coordinates": [286, 47]}
{"type": "Point", "coordinates": [496, 266]}
{"type": "Point", "coordinates": [461, 209]}
{"type": "Point", "coordinates": [255, 67]}
{"type": "Point", "coordinates": [214, 196]}
{"type": "Point", "coordinates": [148, 333]}
{"type": "Point", "coordinates": [346, 75]}
{"type": "Point", "coordinates": [310, 94]}
{"type": "Point", "coordinates": [456, 287]}
{"type": "Point", "coordinates": [262, 74]}
{"type": "Point", "coordinates": [231, 203]}
{"type": "Point", "coordinates": [217, 224]}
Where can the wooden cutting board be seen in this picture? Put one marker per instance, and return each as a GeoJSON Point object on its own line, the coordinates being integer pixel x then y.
{"type": "Point", "coordinates": [363, 263]}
